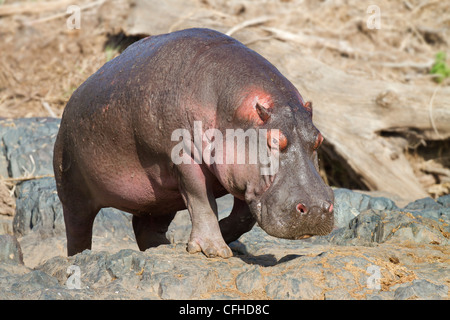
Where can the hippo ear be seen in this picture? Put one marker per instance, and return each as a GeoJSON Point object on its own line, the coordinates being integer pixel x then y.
{"type": "Point", "coordinates": [308, 107]}
{"type": "Point", "coordinates": [263, 113]}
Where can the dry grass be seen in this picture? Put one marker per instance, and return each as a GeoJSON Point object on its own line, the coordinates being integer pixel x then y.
{"type": "Point", "coordinates": [43, 62]}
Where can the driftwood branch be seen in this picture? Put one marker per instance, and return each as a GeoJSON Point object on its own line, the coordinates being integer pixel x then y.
{"type": "Point", "coordinates": [25, 178]}
{"type": "Point", "coordinates": [65, 14]}
{"type": "Point", "coordinates": [33, 7]}
{"type": "Point", "coordinates": [248, 23]}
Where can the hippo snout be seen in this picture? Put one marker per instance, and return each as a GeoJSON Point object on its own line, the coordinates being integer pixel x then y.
{"type": "Point", "coordinates": [295, 218]}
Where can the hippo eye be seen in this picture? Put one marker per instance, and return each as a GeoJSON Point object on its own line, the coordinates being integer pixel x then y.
{"type": "Point", "coordinates": [279, 142]}
{"type": "Point", "coordinates": [319, 141]}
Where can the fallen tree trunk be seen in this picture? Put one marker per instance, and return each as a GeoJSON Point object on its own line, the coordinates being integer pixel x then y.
{"type": "Point", "coordinates": [356, 115]}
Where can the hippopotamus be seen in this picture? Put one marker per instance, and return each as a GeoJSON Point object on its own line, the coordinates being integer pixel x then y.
{"type": "Point", "coordinates": [115, 145]}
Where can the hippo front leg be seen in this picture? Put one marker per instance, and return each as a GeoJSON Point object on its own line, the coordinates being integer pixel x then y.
{"type": "Point", "coordinates": [196, 189]}
{"type": "Point", "coordinates": [238, 222]}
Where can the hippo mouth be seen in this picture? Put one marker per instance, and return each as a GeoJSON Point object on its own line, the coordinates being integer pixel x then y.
{"type": "Point", "coordinates": [305, 236]}
{"type": "Point", "coordinates": [268, 180]}
{"type": "Point", "coordinates": [268, 184]}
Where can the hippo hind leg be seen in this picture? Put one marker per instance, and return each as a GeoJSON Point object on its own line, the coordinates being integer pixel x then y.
{"type": "Point", "coordinates": [79, 218]}
{"type": "Point", "coordinates": [150, 230]}
{"type": "Point", "coordinates": [79, 210]}
{"type": "Point", "coordinates": [238, 222]}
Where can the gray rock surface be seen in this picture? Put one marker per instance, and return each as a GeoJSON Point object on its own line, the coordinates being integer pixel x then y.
{"type": "Point", "coordinates": [349, 204]}
{"type": "Point", "coordinates": [10, 250]}
{"type": "Point", "coordinates": [375, 226]}
{"type": "Point", "coordinates": [377, 251]}
{"type": "Point", "coordinates": [26, 146]}
{"type": "Point", "coordinates": [421, 289]}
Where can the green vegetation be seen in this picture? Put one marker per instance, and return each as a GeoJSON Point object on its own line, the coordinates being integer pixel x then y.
{"type": "Point", "coordinates": [440, 68]}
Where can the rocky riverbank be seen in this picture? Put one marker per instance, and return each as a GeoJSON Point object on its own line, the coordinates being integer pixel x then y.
{"type": "Point", "coordinates": [379, 249]}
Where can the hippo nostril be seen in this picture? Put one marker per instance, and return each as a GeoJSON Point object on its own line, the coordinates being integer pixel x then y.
{"type": "Point", "coordinates": [328, 207]}
{"type": "Point", "coordinates": [301, 208]}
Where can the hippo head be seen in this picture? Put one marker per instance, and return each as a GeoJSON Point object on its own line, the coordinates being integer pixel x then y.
{"type": "Point", "coordinates": [292, 202]}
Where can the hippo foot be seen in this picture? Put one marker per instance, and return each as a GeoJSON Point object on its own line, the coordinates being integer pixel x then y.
{"type": "Point", "coordinates": [211, 248]}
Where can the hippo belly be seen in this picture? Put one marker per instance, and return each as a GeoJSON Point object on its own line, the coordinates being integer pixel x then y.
{"type": "Point", "coordinates": [137, 192]}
